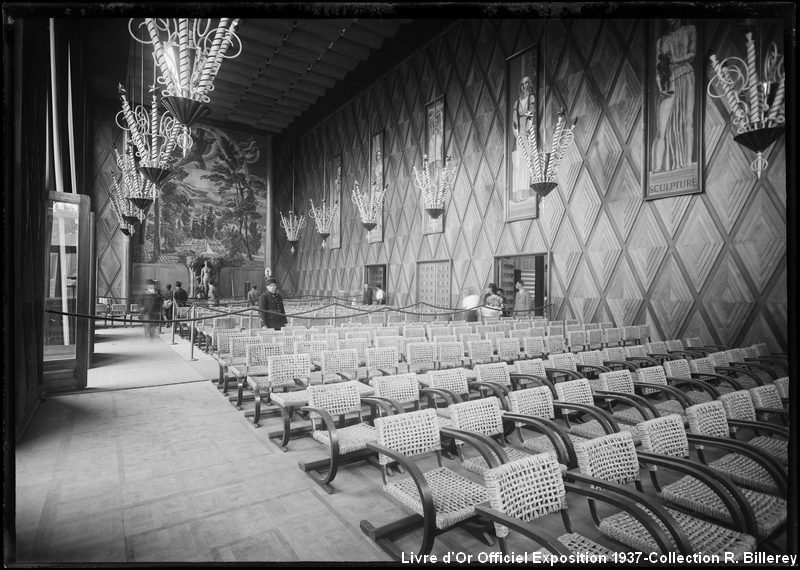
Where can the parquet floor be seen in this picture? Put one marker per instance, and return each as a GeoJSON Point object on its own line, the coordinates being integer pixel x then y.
{"type": "Point", "coordinates": [174, 474]}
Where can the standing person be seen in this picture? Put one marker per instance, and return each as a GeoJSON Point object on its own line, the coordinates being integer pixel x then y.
{"type": "Point", "coordinates": [366, 298]}
{"type": "Point", "coordinates": [504, 302]}
{"type": "Point", "coordinates": [270, 305]}
{"type": "Point", "coordinates": [380, 295]}
{"type": "Point", "coordinates": [492, 302]}
{"type": "Point", "coordinates": [522, 302]}
{"type": "Point", "coordinates": [180, 296]}
{"type": "Point", "coordinates": [471, 303]}
{"type": "Point", "coordinates": [252, 296]}
{"type": "Point", "coordinates": [212, 295]}
{"type": "Point", "coordinates": [166, 304]}
{"type": "Point", "coordinates": [150, 309]}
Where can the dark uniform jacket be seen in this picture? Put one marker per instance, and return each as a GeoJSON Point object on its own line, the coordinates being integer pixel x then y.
{"type": "Point", "coordinates": [180, 296]}
{"type": "Point", "coordinates": [366, 298]}
{"type": "Point", "coordinates": [272, 302]}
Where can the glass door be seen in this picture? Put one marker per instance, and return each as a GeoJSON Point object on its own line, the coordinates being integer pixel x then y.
{"type": "Point", "coordinates": [66, 295]}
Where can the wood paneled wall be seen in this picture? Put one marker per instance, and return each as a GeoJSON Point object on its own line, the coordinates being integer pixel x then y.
{"type": "Point", "coordinates": [711, 265]}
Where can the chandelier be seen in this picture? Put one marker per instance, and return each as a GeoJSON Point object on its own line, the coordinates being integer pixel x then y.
{"type": "Point", "coordinates": [188, 53]}
{"type": "Point", "coordinates": [756, 101]}
{"type": "Point", "coordinates": [369, 203]}
{"type": "Point", "coordinates": [292, 224]}
{"type": "Point", "coordinates": [123, 209]}
{"type": "Point", "coordinates": [543, 166]}
{"type": "Point", "coordinates": [434, 192]}
{"type": "Point", "coordinates": [323, 217]}
{"type": "Point", "coordinates": [134, 186]}
{"type": "Point", "coordinates": [155, 137]}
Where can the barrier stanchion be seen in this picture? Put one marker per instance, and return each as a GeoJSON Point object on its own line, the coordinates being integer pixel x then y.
{"type": "Point", "coordinates": [191, 334]}
{"type": "Point", "coordinates": [250, 318]}
{"type": "Point", "coordinates": [173, 322]}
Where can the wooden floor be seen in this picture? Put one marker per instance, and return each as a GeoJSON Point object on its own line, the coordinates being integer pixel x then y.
{"type": "Point", "coordinates": [174, 473]}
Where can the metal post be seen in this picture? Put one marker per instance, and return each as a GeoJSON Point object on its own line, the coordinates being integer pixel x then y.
{"type": "Point", "coordinates": [250, 318]}
{"type": "Point", "coordinates": [193, 313]}
{"type": "Point", "coordinates": [173, 320]}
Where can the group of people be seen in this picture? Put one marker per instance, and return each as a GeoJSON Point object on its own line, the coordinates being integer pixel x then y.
{"type": "Point", "coordinates": [155, 307]}
{"type": "Point", "coordinates": [493, 303]}
{"type": "Point", "coordinates": [379, 297]}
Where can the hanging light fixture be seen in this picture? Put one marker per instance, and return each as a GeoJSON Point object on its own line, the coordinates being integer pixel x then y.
{"type": "Point", "coordinates": [369, 203]}
{"type": "Point", "coordinates": [154, 136]}
{"type": "Point", "coordinates": [756, 98]}
{"type": "Point", "coordinates": [133, 186]}
{"type": "Point", "coordinates": [188, 53]}
{"type": "Point", "coordinates": [292, 224]}
{"type": "Point", "coordinates": [323, 216]}
{"type": "Point", "coordinates": [123, 209]}
{"type": "Point", "coordinates": [542, 165]}
{"type": "Point", "coordinates": [434, 189]}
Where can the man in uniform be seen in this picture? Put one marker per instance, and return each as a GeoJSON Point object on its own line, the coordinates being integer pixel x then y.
{"type": "Point", "coordinates": [270, 305]}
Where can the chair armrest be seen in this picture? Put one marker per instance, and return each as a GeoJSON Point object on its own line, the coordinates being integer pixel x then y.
{"type": "Point", "coordinates": [559, 371]}
{"type": "Point", "coordinates": [731, 496]}
{"type": "Point", "coordinates": [582, 367]}
{"type": "Point", "coordinates": [760, 426]}
{"type": "Point", "coordinates": [641, 404]}
{"type": "Point", "coordinates": [528, 530]}
{"type": "Point", "coordinates": [485, 445]}
{"type": "Point", "coordinates": [740, 371]}
{"type": "Point", "coordinates": [779, 411]}
{"type": "Point", "coordinates": [757, 366]}
{"type": "Point", "coordinates": [647, 359]}
{"type": "Point", "coordinates": [764, 459]}
{"type": "Point", "coordinates": [388, 405]}
{"type": "Point", "coordinates": [642, 500]}
{"type": "Point", "coordinates": [682, 353]}
{"type": "Point", "coordinates": [449, 396]}
{"type": "Point", "coordinates": [606, 420]}
{"type": "Point", "coordinates": [498, 389]}
{"type": "Point", "coordinates": [776, 361]}
{"type": "Point", "coordinates": [624, 363]}
{"type": "Point", "coordinates": [424, 490]}
{"type": "Point", "coordinates": [565, 449]}
{"type": "Point", "coordinates": [695, 383]}
{"type": "Point", "coordinates": [542, 379]}
{"type": "Point", "coordinates": [678, 395]}
{"type": "Point", "coordinates": [734, 383]}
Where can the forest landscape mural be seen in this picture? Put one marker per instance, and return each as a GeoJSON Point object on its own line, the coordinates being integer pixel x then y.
{"type": "Point", "coordinates": [213, 209]}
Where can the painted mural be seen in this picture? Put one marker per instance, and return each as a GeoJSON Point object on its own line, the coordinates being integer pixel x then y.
{"type": "Point", "coordinates": [214, 208]}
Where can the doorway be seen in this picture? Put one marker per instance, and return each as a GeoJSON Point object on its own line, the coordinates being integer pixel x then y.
{"type": "Point", "coordinates": [532, 270]}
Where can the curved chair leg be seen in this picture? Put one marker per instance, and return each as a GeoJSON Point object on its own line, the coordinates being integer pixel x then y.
{"type": "Point", "coordinates": [381, 535]}
{"type": "Point", "coordinates": [257, 414]}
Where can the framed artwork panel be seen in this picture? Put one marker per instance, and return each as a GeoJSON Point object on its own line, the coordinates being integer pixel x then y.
{"type": "Point", "coordinates": [434, 148]}
{"type": "Point", "coordinates": [375, 235]}
{"type": "Point", "coordinates": [335, 197]}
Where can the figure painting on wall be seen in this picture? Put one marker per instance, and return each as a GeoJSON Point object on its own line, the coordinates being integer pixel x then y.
{"type": "Point", "coordinates": [434, 148]}
{"type": "Point", "coordinates": [674, 110]}
{"type": "Point", "coordinates": [521, 201]}
{"type": "Point", "coordinates": [375, 235]}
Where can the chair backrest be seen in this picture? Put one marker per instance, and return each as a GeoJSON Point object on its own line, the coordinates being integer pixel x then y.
{"type": "Point", "coordinates": [555, 344]}
{"type": "Point", "coordinates": [469, 337]}
{"type": "Point", "coordinates": [258, 354]}
{"type": "Point", "coordinates": [673, 345]}
{"type": "Point", "coordinates": [313, 348]}
{"type": "Point", "coordinates": [576, 340]}
{"type": "Point", "coordinates": [421, 354]}
{"type": "Point", "coordinates": [536, 402]}
{"type": "Point", "coordinates": [782, 384]}
{"type": "Point", "coordinates": [504, 327]}
{"type": "Point", "coordinates": [507, 348]}
{"type": "Point", "coordinates": [453, 379]}
{"type": "Point", "coordinates": [565, 361]}
{"type": "Point", "coordinates": [223, 340]}
{"type": "Point", "coordinates": [382, 357]}
{"type": "Point", "coordinates": [414, 330]}
{"type": "Point", "coordinates": [590, 357]}
{"type": "Point", "coordinates": [591, 326]}
{"type": "Point", "coordinates": [658, 347]}
{"type": "Point", "coordinates": [397, 341]}
{"type": "Point", "coordinates": [750, 352]}
{"type": "Point", "coordinates": [693, 342]}
{"type": "Point", "coordinates": [637, 350]}
{"type": "Point", "coordinates": [444, 338]}
{"type": "Point", "coordinates": [480, 350]}
{"type": "Point", "coordinates": [534, 346]}
{"type": "Point", "coordinates": [412, 433]}
{"type": "Point", "coordinates": [572, 328]}
{"type": "Point", "coordinates": [480, 416]}
{"type": "Point", "coordinates": [594, 338]}
{"type": "Point", "coordinates": [555, 330]}
{"type": "Point", "coordinates": [450, 354]}
{"type": "Point", "coordinates": [393, 318]}
{"type": "Point", "coordinates": [269, 335]}
{"type": "Point", "coordinates": [225, 322]}
{"type": "Point", "coordinates": [709, 419]}
{"type": "Point", "coordinates": [537, 331]}
{"type": "Point", "coordinates": [483, 329]}
{"type": "Point", "coordinates": [738, 405]}
{"type": "Point", "coordinates": [493, 336]}
{"type": "Point", "coordinates": [664, 436]}
{"type": "Point", "coordinates": [403, 388]}
{"type": "Point", "coordinates": [766, 396]}
{"type": "Point", "coordinates": [533, 366]}
{"type": "Point", "coordinates": [341, 360]}
{"type": "Point", "coordinates": [612, 336]}
{"type": "Point", "coordinates": [238, 345]}
{"type": "Point", "coordinates": [703, 365]}
{"type": "Point", "coordinates": [644, 333]}
{"type": "Point", "coordinates": [289, 366]}
{"type": "Point", "coordinates": [331, 339]}
{"type": "Point", "coordinates": [437, 330]}
{"type": "Point", "coordinates": [677, 368]}
{"type": "Point", "coordinates": [614, 381]}
{"type": "Point", "coordinates": [461, 329]}
{"type": "Point", "coordinates": [338, 398]}
{"type": "Point", "coordinates": [734, 355]}
{"type": "Point", "coordinates": [365, 334]}
{"type": "Point", "coordinates": [518, 333]}
{"type": "Point", "coordinates": [378, 319]}
{"type": "Point", "coordinates": [631, 333]}
{"type": "Point", "coordinates": [576, 391]}
{"type": "Point", "coordinates": [653, 375]}
{"type": "Point", "coordinates": [386, 331]}
{"type": "Point", "coordinates": [606, 325]}
{"type": "Point", "coordinates": [526, 489]}
{"type": "Point", "coordinates": [497, 373]}
{"type": "Point", "coordinates": [613, 353]}
{"type": "Point", "coordinates": [360, 344]}
{"type": "Point", "coordinates": [610, 457]}
{"type": "Point", "coordinates": [540, 323]}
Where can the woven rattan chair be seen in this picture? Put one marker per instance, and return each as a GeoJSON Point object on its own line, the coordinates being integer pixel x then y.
{"type": "Point", "coordinates": [564, 365]}
{"type": "Point", "coordinates": [237, 357]}
{"type": "Point", "coordinates": [346, 443]}
{"type": "Point", "coordinates": [383, 361]}
{"type": "Point", "coordinates": [118, 312]}
{"type": "Point", "coordinates": [533, 347]}
{"type": "Point", "coordinates": [359, 344]}
{"type": "Point", "coordinates": [365, 334]}
{"type": "Point", "coordinates": [440, 498]}
{"type": "Point", "coordinates": [747, 465]}
{"type": "Point", "coordinates": [637, 354]}
{"type": "Point", "coordinates": [613, 459]}
{"type": "Point", "coordinates": [449, 355]}
{"type": "Point", "coordinates": [618, 387]}
{"type": "Point", "coordinates": [402, 391]}
{"type": "Point", "coordinates": [746, 378]}
{"type": "Point", "coordinates": [496, 377]}
{"type": "Point", "coordinates": [666, 436]}
{"type": "Point", "coordinates": [530, 488]}
{"type": "Point", "coordinates": [760, 353]}
{"type": "Point", "coordinates": [594, 339]}
{"type": "Point", "coordinates": [612, 336]}
{"type": "Point", "coordinates": [421, 356]}
{"type": "Point", "coordinates": [768, 403]}
{"type": "Point", "coordinates": [397, 341]}
{"type": "Point", "coordinates": [742, 415]}
{"type": "Point", "coordinates": [657, 375]}
{"type": "Point", "coordinates": [508, 349]}
{"type": "Point", "coordinates": [590, 363]}
{"type": "Point", "coordinates": [631, 335]}
{"type": "Point", "coordinates": [782, 384]}
{"type": "Point", "coordinates": [530, 372]}
{"type": "Point", "coordinates": [256, 363]}
{"type": "Point", "coordinates": [658, 350]}
{"type": "Point", "coordinates": [331, 339]}
{"type": "Point", "coordinates": [576, 340]}
{"type": "Point", "coordinates": [675, 348]}
{"type": "Point", "coordinates": [480, 352]}
{"type": "Point", "coordinates": [614, 358]}
{"type": "Point", "coordinates": [555, 344]}
{"type": "Point", "coordinates": [737, 358]}
{"type": "Point", "coordinates": [223, 355]}
{"type": "Point", "coordinates": [283, 371]}
{"type": "Point", "coordinates": [578, 393]}
{"type": "Point", "coordinates": [698, 387]}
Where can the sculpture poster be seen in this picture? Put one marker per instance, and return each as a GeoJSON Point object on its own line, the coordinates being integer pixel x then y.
{"type": "Point", "coordinates": [674, 108]}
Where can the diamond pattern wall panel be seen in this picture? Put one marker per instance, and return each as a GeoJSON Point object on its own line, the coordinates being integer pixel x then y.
{"type": "Point", "coordinates": [711, 265]}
